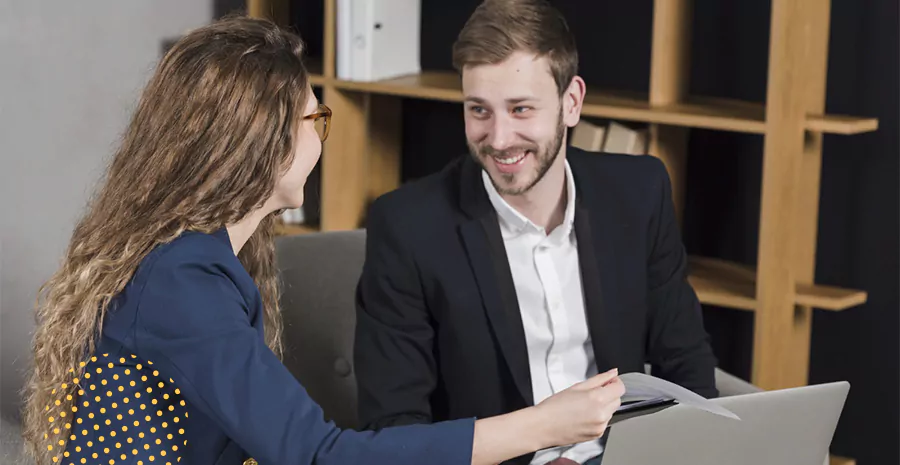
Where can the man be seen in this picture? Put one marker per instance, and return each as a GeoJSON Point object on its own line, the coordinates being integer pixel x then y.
{"type": "Point", "coordinates": [529, 265]}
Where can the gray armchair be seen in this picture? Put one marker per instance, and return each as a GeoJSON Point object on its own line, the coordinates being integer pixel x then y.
{"type": "Point", "coordinates": [12, 448]}
{"type": "Point", "coordinates": [319, 275]}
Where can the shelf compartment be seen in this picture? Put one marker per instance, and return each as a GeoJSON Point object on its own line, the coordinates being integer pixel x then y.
{"type": "Point", "coordinates": [727, 284]}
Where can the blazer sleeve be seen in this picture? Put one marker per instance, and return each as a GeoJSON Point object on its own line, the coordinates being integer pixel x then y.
{"type": "Point", "coordinates": [394, 347]}
{"type": "Point", "coordinates": [193, 325]}
{"type": "Point", "coordinates": [679, 348]}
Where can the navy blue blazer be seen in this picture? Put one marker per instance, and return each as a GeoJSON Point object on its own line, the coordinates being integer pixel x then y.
{"type": "Point", "coordinates": [182, 373]}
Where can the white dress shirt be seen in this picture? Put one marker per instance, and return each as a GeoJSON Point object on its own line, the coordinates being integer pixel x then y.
{"type": "Point", "coordinates": [547, 278]}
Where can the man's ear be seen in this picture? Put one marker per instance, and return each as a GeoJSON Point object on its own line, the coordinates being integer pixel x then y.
{"type": "Point", "coordinates": [573, 100]}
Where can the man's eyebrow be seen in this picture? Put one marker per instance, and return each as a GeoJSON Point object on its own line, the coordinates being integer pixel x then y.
{"type": "Point", "coordinates": [515, 100]}
{"type": "Point", "coordinates": [512, 100]}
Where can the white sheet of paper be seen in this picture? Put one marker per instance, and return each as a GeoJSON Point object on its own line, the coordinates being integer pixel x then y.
{"type": "Point", "coordinates": [640, 386]}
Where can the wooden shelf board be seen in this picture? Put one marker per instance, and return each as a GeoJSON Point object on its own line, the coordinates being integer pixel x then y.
{"type": "Point", "coordinates": [837, 460]}
{"type": "Point", "coordinates": [702, 112]}
{"type": "Point", "coordinates": [314, 68]}
{"type": "Point", "coordinates": [431, 85]}
{"type": "Point", "coordinates": [723, 284]}
{"type": "Point", "coordinates": [840, 124]}
{"type": "Point", "coordinates": [829, 297]}
{"type": "Point", "coordinates": [726, 284]}
{"type": "Point", "coordinates": [282, 229]}
{"type": "Point", "coordinates": [707, 113]}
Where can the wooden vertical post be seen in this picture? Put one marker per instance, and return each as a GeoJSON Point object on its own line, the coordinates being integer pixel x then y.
{"type": "Point", "coordinates": [344, 161]}
{"type": "Point", "coordinates": [276, 10]}
{"type": "Point", "coordinates": [329, 52]}
{"type": "Point", "coordinates": [669, 74]}
{"type": "Point", "coordinates": [362, 155]}
{"type": "Point", "coordinates": [807, 217]}
{"type": "Point", "coordinates": [791, 169]}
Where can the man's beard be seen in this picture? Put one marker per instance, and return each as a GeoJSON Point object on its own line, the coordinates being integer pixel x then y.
{"type": "Point", "coordinates": [544, 156]}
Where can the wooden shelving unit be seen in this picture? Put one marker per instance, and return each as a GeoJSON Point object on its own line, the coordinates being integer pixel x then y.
{"type": "Point", "coordinates": [283, 229]}
{"type": "Point", "coordinates": [726, 284]}
{"type": "Point", "coordinates": [720, 114]}
{"type": "Point", "coordinates": [363, 152]}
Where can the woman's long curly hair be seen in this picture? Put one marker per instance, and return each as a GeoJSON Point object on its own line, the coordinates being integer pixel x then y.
{"type": "Point", "coordinates": [211, 134]}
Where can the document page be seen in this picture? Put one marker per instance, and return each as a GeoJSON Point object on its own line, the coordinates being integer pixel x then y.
{"type": "Point", "coordinates": [642, 390]}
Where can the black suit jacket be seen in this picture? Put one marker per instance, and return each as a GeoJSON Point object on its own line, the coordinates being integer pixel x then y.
{"type": "Point", "coordinates": [439, 335]}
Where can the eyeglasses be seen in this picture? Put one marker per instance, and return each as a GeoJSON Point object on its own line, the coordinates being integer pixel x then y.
{"type": "Point", "coordinates": [322, 121]}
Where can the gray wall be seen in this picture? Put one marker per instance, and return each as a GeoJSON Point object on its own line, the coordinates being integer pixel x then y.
{"type": "Point", "coordinates": [70, 72]}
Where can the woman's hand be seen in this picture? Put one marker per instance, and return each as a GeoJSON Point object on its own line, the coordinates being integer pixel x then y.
{"type": "Point", "coordinates": [583, 411]}
{"type": "Point", "coordinates": [577, 414]}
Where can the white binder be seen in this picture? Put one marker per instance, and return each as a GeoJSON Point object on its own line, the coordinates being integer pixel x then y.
{"type": "Point", "coordinates": [377, 39]}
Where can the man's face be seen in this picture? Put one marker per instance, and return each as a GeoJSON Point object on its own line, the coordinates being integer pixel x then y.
{"type": "Point", "coordinates": [515, 120]}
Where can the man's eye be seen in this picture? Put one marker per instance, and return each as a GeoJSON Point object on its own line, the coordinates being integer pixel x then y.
{"type": "Point", "coordinates": [520, 109]}
{"type": "Point", "coordinates": [479, 111]}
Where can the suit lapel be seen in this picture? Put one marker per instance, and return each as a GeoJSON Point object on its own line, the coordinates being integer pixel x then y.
{"type": "Point", "coordinates": [595, 246]}
{"type": "Point", "coordinates": [489, 262]}
{"type": "Point", "coordinates": [599, 323]}
{"type": "Point", "coordinates": [487, 255]}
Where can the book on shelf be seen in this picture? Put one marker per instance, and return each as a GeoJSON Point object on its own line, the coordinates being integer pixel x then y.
{"type": "Point", "coordinates": [613, 138]}
{"type": "Point", "coordinates": [623, 139]}
{"type": "Point", "coordinates": [293, 216]}
{"type": "Point", "coordinates": [588, 136]}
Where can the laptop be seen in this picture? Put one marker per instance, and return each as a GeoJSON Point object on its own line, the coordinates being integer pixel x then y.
{"type": "Point", "coordinates": [789, 426]}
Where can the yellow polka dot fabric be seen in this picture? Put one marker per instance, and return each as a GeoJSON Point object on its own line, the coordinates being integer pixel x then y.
{"type": "Point", "coordinates": [117, 409]}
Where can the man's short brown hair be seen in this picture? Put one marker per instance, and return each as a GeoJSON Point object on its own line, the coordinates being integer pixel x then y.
{"type": "Point", "coordinates": [498, 28]}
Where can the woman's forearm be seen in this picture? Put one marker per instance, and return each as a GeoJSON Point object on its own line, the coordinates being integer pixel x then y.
{"type": "Point", "coordinates": [507, 436]}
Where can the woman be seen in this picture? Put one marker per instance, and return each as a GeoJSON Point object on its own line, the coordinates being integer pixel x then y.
{"type": "Point", "coordinates": [159, 337]}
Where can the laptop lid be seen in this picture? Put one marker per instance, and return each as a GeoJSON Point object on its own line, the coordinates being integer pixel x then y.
{"type": "Point", "coordinates": [789, 426]}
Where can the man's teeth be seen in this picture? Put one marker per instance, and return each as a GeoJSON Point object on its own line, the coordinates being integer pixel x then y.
{"type": "Point", "coordinates": [512, 160]}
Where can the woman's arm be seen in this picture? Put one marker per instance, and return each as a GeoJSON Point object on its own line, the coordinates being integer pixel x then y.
{"type": "Point", "coordinates": [580, 413]}
{"type": "Point", "coordinates": [193, 324]}
{"type": "Point", "coordinates": [506, 436]}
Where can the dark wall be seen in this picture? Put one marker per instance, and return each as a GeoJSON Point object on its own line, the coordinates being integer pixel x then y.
{"type": "Point", "coordinates": [225, 7]}
{"type": "Point", "coordinates": [858, 227]}
{"type": "Point", "coordinates": [858, 244]}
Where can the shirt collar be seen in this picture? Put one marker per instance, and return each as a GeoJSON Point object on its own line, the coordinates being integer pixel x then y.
{"type": "Point", "coordinates": [515, 223]}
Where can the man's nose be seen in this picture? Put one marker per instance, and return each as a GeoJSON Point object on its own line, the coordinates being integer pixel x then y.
{"type": "Point", "coordinates": [501, 134]}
